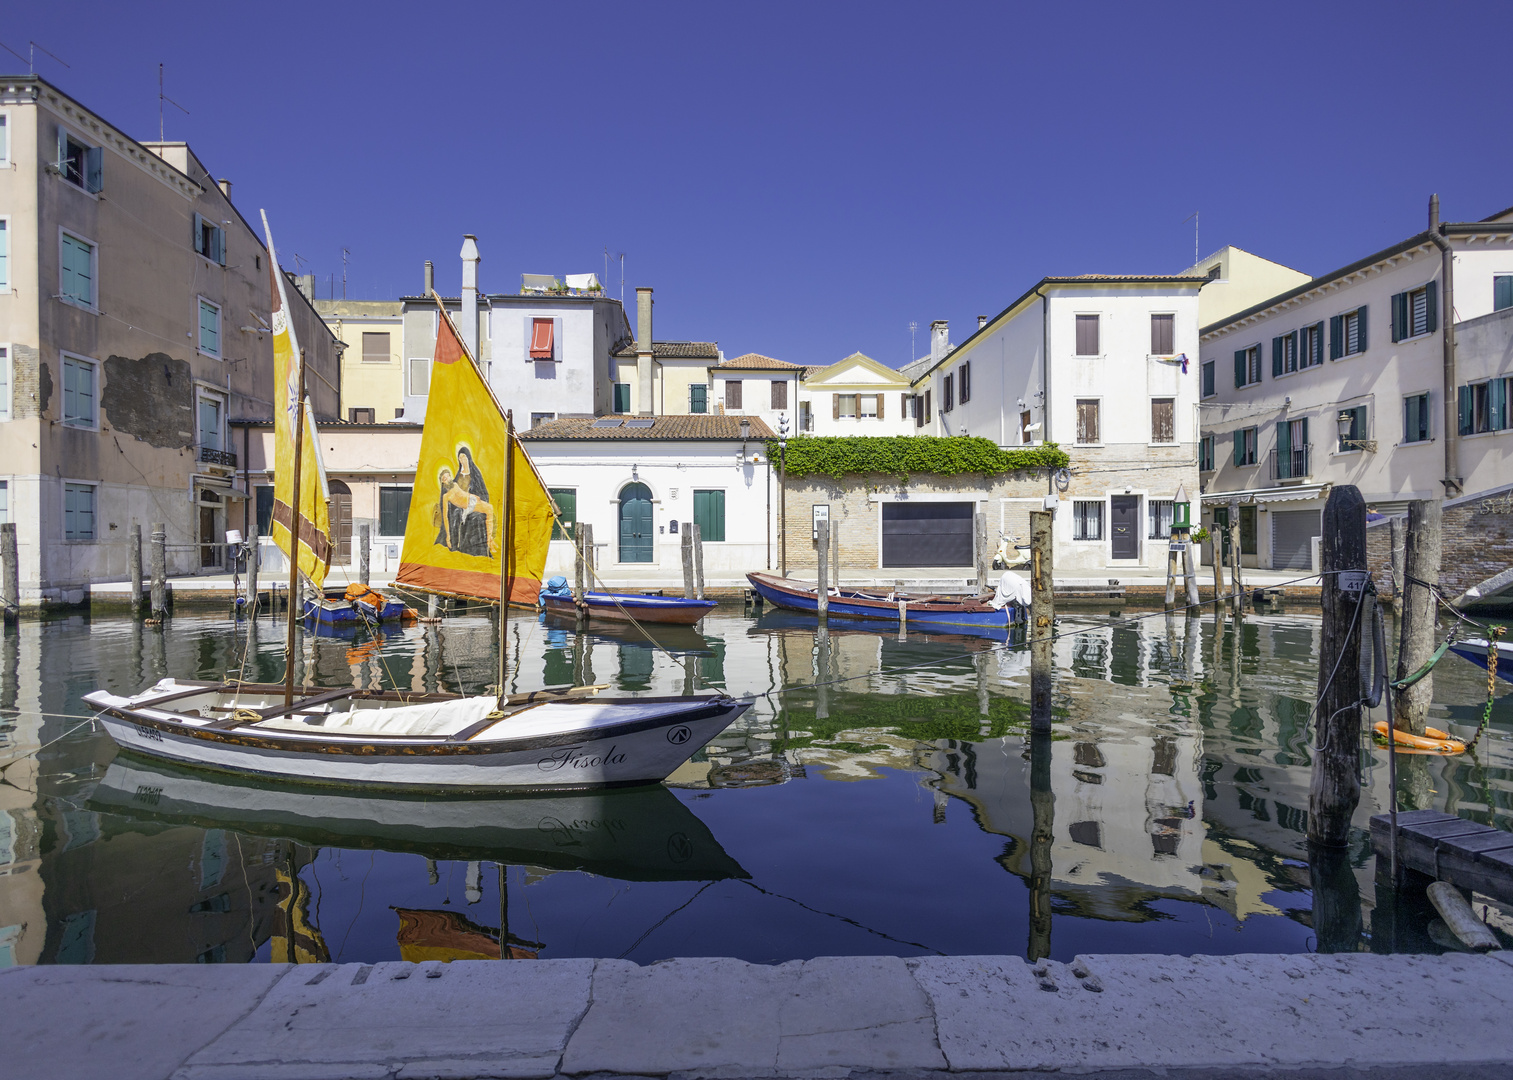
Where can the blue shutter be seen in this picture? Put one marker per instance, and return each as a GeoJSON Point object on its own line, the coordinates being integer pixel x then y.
{"type": "Point", "coordinates": [1336, 336]}
{"type": "Point", "coordinates": [1276, 357]}
{"type": "Point", "coordinates": [94, 168]}
{"type": "Point", "coordinates": [1361, 315]}
{"type": "Point", "coordinates": [1463, 410]}
{"type": "Point", "coordinates": [1502, 292]}
{"type": "Point", "coordinates": [1239, 368]}
{"type": "Point", "coordinates": [1431, 307]}
{"type": "Point", "coordinates": [199, 235]}
{"type": "Point", "coordinates": [218, 246]}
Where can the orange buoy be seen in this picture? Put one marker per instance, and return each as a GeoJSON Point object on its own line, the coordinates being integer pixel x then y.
{"type": "Point", "coordinates": [1432, 740]}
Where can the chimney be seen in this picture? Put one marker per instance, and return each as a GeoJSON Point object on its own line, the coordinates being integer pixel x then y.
{"type": "Point", "coordinates": [469, 320]}
{"type": "Point", "coordinates": [225, 186]}
{"type": "Point", "coordinates": [940, 340]}
{"type": "Point", "coordinates": [643, 351]}
{"type": "Point", "coordinates": [430, 278]}
{"type": "Point", "coordinates": [982, 320]}
{"type": "Point", "coordinates": [305, 283]}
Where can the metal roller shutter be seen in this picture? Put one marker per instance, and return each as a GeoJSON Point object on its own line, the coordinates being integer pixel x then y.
{"type": "Point", "coordinates": [1292, 533]}
{"type": "Point", "coordinates": [927, 534]}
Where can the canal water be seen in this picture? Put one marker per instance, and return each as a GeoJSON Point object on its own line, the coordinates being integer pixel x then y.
{"type": "Point", "coordinates": [882, 796]}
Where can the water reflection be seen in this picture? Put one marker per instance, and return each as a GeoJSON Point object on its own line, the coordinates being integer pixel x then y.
{"type": "Point", "coordinates": [1167, 812]}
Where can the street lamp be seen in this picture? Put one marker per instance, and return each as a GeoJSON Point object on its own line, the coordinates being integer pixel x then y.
{"type": "Point", "coordinates": [1345, 423]}
{"type": "Point", "coordinates": [783, 489]}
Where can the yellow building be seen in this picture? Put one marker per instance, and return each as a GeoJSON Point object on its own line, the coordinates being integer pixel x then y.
{"type": "Point", "coordinates": [1238, 280]}
{"type": "Point", "coordinates": [372, 372]}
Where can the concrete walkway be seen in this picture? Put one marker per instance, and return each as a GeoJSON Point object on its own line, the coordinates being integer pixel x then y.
{"type": "Point", "coordinates": [824, 1018]}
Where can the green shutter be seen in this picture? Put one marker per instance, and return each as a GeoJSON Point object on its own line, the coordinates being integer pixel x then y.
{"type": "Point", "coordinates": [1240, 447]}
{"type": "Point", "coordinates": [1336, 336]}
{"type": "Point", "coordinates": [1239, 369]}
{"type": "Point", "coordinates": [1361, 315]}
{"type": "Point", "coordinates": [94, 169]}
{"type": "Point", "coordinates": [567, 510]}
{"type": "Point", "coordinates": [709, 515]}
{"type": "Point", "coordinates": [1463, 410]}
{"type": "Point", "coordinates": [1284, 450]}
{"type": "Point", "coordinates": [1502, 292]}
{"type": "Point", "coordinates": [1399, 316]}
{"type": "Point", "coordinates": [698, 399]}
{"type": "Point", "coordinates": [1431, 307]}
{"type": "Point", "coordinates": [1497, 404]}
{"type": "Point", "coordinates": [1276, 357]}
{"type": "Point", "coordinates": [1318, 344]}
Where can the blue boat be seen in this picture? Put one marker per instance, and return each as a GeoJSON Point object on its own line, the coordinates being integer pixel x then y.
{"type": "Point", "coordinates": [330, 611]}
{"type": "Point", "coordinates": [557, 599]}
{"type": "Point", "coordinates": [1475, 650]}
{"type": "Point", "coordinates": [942, 612]}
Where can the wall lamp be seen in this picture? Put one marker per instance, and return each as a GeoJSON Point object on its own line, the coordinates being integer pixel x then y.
{"type": "Point", "coordinates": [1345, 423]}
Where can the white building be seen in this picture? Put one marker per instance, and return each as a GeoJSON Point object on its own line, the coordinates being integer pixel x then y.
{"type": "Point", "coordinates": [1365, 342]}
{"type": "Point", "coordinates": [1101, 365]}
{"type": "Point", "coordinates": [756, 385]}
{"type": "Point", "coordinates": [855, 396]}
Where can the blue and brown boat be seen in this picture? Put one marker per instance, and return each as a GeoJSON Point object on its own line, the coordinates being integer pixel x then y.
{"type": "Point", "coordinates": [557, 599]}
{"type": "Point", "coordinates": [1477, 650]}
{"type": "Point", "coordinates": [880, 605]}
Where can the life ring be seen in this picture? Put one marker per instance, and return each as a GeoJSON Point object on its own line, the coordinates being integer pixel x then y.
{"type": "Point", "coordinates": [1432, 739]}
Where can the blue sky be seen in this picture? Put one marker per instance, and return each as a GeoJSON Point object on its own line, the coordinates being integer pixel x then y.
{"type": "Point", "coordinates": [805, 180]}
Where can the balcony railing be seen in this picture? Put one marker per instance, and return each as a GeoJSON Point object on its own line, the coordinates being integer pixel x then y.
{"type": "Point", "coordinates": [1292, 464]}
{"type": "Point", "coordinates": [211, 456]}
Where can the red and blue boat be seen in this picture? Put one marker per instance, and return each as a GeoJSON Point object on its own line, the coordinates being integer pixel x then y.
{"type": "Point", "coordinates": [557, 599]}
{"type": "Point", "coordinates": [878, 605]}
{"type": "Point", "coordinates": [1476, 650]}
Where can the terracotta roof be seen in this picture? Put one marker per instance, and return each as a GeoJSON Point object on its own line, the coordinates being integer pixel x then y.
{"type": "Point", "coordinates": [709, 427]}
{"type": "Point", "coordinates": [677, 350]}
{"type": "Point", "coordinates": [757, 362]}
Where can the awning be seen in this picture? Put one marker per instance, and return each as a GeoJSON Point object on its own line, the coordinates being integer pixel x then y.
{"type": "Point", "coordinates": [1300, 493]}
{"type": "Point", "coordinates": [224, 486]}
{"type": "Point", "coordinates": [541, 339]}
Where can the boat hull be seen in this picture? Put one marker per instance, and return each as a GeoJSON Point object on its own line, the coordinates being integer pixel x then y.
{"type": "Point", "coordinates": [342, 613]}
{"type": "Point", "coordinates": [673, 611]}
{"type": "Point", "coordinates": [1475, 650]}
{"type": "Point", "coordinates": [654, 738]}
{"type": "Point", "coordinates": [786, 594]}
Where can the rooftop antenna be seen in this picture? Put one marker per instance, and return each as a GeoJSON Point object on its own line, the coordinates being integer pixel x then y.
{"type": "Point", "coordinates": [31, 61]}
{"type": "Point", "coordinates": [162, 97]}
{"type": "Point", "coordinates": [1193, 217]}
{"type": "Point", "coordinates": [12, 51]}
{"type": "Point", "coordinates": [913, 326]}
{"type": "Point", "coordinates": [344, 254]}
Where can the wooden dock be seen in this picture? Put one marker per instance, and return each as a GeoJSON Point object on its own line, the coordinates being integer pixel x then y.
{"type": "Point", "coordinates": [1448, 848]}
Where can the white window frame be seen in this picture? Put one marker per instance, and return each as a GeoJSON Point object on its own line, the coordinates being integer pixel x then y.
{"type": "Point", "coordinates": [1175, 351]}
{"type": "Point", "coordinates": [94, 271]}
{"type": "Point", "coordinates": [69, 132]}
{"type": "Point", "coordinates": [8, 366]}
{"type": "Point", "coordinates": [5, 138]}
{"type": "Point", "coordinates": [410, 375]}
{"type": "Point", "coordinates": [1345, 331]}
{"type": "Point", "coordinates": [1249, 350]}
{"type": "Point", "coordinates": [1102, 352]}
{"type": "Point", "coordinates": [1428, 396]}
{"type": "Point", "coordinates": [5, 250]}
{"type": "Point", "coordinates": [94, 365]}
{"type": "Point", "coordinates": [5, 503]}
{"type": "Point", "coordinates": [1102, 505]}
{"type": "Point", "coordinates": [219, 399]}
{"type": "Point", "coordinates": [861, 414]}
{"type": "Point", "coordinates": [94, 487]}
{"type": "Point", "coordinates": [220, 329]}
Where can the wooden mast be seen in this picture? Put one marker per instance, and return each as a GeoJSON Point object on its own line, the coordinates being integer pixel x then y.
{"type": "Point", "coordinates": [506, 556]}
{"type": "Point", "coordinates": [294, 532]}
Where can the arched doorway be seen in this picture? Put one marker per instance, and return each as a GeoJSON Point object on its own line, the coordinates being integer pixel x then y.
{"type": "Point", "coordinates": [636, 529]}
{"type": "Point", "coordinates": [341, 523]}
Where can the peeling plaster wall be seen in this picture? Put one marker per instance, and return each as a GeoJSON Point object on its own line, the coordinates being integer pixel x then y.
{"type": "Point", "coordinates": [151, 399]}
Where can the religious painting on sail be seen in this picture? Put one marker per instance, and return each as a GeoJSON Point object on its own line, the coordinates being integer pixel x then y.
{"type": "Point", "coordinates": [455, 532]}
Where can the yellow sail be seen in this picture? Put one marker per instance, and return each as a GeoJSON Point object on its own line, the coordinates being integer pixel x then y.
{"type": "Point", "coordinates": [455, 531]}
{"type": "Point", "coordinates": [288, 411]}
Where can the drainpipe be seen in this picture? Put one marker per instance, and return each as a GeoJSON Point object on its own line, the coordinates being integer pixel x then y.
{"type": "Point", "coordinates": [1453, 480]}
{"type": "Point", "coordinates": [1045, 365]}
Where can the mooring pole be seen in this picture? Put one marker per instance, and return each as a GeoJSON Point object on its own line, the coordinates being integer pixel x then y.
{"type": "Point", "coordinates": [981, 555]}
{"type": "Point", "coordinates": [159, 570]}
{"type": "Point", "coordinates": [1336, 787]}
{"type": "Point", "coordinates": [1234, 557]}
{"type": "Point", "coordinates": [254, 557]}
{"type": "Point", "coordinates": [1398, 560]}
{"type": "Point", "coordinates": [134, 560]}
{"type": "Point", "coordinates": [1189, 570]}
{"type": "Point", "coordinates": [1216, 557]}
{"type": "Point", "coordinates": [364, 558]}
{"type": "Point", "coordinates": [1421, 559]}
{"type": "Point", "coordinates": [1171, 571]}
{"type": "Point", "coordinates": [1042, 619]}
{"type": "Point", "coordinates": [580, 571]}
{"type": "Point", "coordinates": [698, 562]}
{"type": "Point", "coordinates": [10, 571]}
{"type": "Point", "coordinates": [822, 551]}
{"type": "Point", "coordinates": [1042, 836]}
{"type": "Point", "coordinates": [687, 545]}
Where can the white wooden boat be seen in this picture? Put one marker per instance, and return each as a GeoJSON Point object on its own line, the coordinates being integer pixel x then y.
{"type": "Point", "coordinates": [549, 740]}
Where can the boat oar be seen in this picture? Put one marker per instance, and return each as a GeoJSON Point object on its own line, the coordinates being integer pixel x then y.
{"type": "Point", "coordinates": [543, 695]}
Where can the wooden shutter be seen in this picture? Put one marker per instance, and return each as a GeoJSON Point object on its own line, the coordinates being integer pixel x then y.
{"type": "Point", "coordinates": [1163, 420]}
{"type": "Point", "coordinates": [1431, 308]}
{"type": "Point", "coordinates": [1276, 357]}
{"type": "Point", "coordinates": [927, 406]}
{"type": "Point", "coordinates": [1087, 335]}
{"type": "Point", "coordinates": [1360, 318]}
{"type": "Point", "coordinates": [1087, 421]}
{"type": "Point", "coordinates": [1239, 368]}
{"type": "Point", "coordinates": [1399, 316]}
{"type": "Point", "coordinates": [1318, 343]}
{"type": "Point", "coordinates": [881, 398]}
{"type": "Point", "coordinates": [966, 380]}
{"type": "Point", "coordinates": [1463, 410]}
{"type": "Point", "coordinates": [780, 393]}
{"type": "Point", "coordinates": [566, 500]}
{"type": "Point", "coordinates": [946, 404]}
{"type": "Point", "coordinates": [1336, 336]}
{"type": "Point", "coordinates": [732, 393]}
{"type": "Point", "coordinates": [919, 412]}
{"type": "Point", "coordinates": [903, 407]}
{"type": "Point", "coordinates": [709, 515]}
{"type": "Point", "coordinates": [94, 169]}
{"type": "Point", "coordinates": [199, 235]}
{"type": "Point", "coordinates": [835, 406]}
{"type": "Point", "coordinates": [1240, 447]}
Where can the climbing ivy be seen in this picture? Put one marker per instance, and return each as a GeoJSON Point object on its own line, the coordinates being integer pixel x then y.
{"type": "Point", "coordinates": [906, 455]}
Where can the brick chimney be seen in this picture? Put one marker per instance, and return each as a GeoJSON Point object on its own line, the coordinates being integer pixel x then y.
{"type": "Point", "coordinates": [940, 340]}
{"type": "Point", "coordinates": [643, 351]}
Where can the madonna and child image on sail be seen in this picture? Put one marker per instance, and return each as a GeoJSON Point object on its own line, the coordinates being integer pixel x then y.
{"type": "Point", "coordinates": [479, 525]}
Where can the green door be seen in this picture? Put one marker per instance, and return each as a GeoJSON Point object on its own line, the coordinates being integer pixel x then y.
{"type": "Point", "coordinates": [635, 523]}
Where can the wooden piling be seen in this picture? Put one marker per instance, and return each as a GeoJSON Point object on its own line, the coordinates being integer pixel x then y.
{"type": "Point", "coordinates": [254, 561]}
{"type": "Point", "coordinates": [364, 555]}
{"type": "Point", "coordinates": [981, 555]}
{"type": "Point", "coordinates": [1336, 896]}
{"type": "Point", "coordinates": [1042, 619]}
{"type": "Point", "coordinates": [134, 563]}
{"type": "Point", "coordinates": [1042, 838]}
{"type": "Point", "coordinates": [10, 571]}
{"type": "Point", "coordinates": [1336, 787]}
{"type": "Point", "coordinates": [1398, 558]}
{"type": "Point", "coordinates": [687, 546]}
{"type": "Point", "coordinates": [580, 570]}
{"type": "Point", "coordinates": [822, 550]}
{"type": "Point", "coordinates": [698, 562]}
{"type": "Point", "coordinates": [1171, 572]}
{"type": "Point", "coordinates": [1421, 559]}
{"type": "Point", "coordinates": [1237, 585]}
{"type": "Point", "coordinates": [159, 569]}
{"type": "Point", "coordinates": [1216, 546]}
{"type": "Point", "coordinates": [1189, 570]}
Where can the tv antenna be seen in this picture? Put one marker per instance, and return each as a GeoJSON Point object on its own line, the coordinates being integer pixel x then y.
{"type": "Point", "coordinates": [1193, 217]}
{"type": "Point", "coordinates": [913, 326]}
{"type": "Point", "coordinates": [162, 97]}
{"type": "Point", "coordinates": [299, 260]}
{"type": "Point", "coordinates": [344, 254]}
{"type": "Point", "coordinates": [31, 56]}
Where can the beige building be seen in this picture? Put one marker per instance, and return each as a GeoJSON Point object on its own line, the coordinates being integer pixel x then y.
{"type": "Point", "coordinates": [855, 396]}
{"type": "Point", "coordinates": [371, 339]}
{"type": "Point", "coordinates": [134, 318]}
{"type": "Point", "coordinates": [1236, 280]}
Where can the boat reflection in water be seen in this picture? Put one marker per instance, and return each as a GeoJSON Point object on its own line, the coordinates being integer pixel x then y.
{"type": "Point", "coordinates": [634, 834]}
{"type": "Point", "coordinates": [678, 640]}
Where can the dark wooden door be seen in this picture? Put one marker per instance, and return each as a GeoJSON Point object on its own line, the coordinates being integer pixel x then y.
{"type": "Point", "coordinates": [1124, 522]}
{"type": "Point", "coordinates": [210, 555]}
{"type": "Point", "coordinates": [635, 523]}
{"type": "Point", "coordinates": [341, 523]}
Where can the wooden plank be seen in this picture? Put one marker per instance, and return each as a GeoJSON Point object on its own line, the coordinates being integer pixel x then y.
{"type": "Point", "coordinates": [1479, 843]}
{"type": "Point", "coordinates": [1451, 849]}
